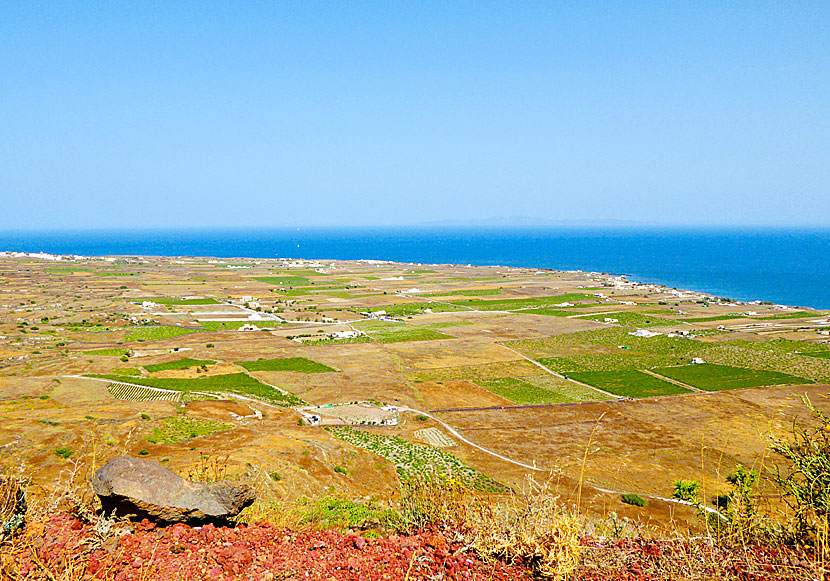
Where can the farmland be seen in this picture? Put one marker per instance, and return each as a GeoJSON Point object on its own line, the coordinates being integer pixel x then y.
{"type": "Point", "coordinates": [297, 364]}
{"type": "Point", "coordinates": [716, 377]}
{"type": "Point", "coordinates": [485, 375]}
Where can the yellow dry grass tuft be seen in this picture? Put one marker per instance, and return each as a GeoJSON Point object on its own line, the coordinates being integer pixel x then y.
{"type": "Point", "coordinates": [529, 527]}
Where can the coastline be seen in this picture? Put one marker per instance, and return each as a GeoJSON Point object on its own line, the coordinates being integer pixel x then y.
{"type": "Point", "coordinates": [624, 281]}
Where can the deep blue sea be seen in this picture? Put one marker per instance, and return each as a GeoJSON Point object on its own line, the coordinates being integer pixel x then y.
{"type": "Point", "coordinates": [781, 265]}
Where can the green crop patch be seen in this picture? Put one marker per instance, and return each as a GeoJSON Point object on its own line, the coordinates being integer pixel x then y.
{"type": "Point", "coordinates": [184, 363]}
{"type": "Point", "coordinates": [715, 318]}
{"type": "Point", "coordinates": [628, 383]}
{"type": "Point", "coordinates": [296, 364]}
{"type": "Point", "coordinates": [125, 371]}
{"type": "Point", "coordinates": [712, 377]}
{"type": "Point", "coordinates": [794, 315]}
{"type": "Point", "coordinates": [481, 292]}
{"type": "Point", "coordinates": [155, 333]}
{"type": "Point", "coordinates": [180, 429]}
{"type": "Point", "coordinates": [234, 325]}
{"type": "Point", "coordinates": [284, 280]}
{"type": "Point", "coordinates": [516, 304]}
{"type": "Point", "coordinates": [406, 309]}
{"type": "Point", "coordinates": [394, 332]}
{"type": "Point", "coordinates": [173, 301]}
{"type": "Point", "coordinates": [628, 319]}
{"type": "Point", "coordinates": [107, 352]}
{"type": "Point", "coordinates": [532, 391]}
{"type": "Point", "coordinates": [819, 354]}
{"type": "Point", "coordinates": [238, 383]}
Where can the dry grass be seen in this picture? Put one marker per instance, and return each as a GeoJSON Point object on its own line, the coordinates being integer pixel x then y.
{"type": "Point", "coordinates": [529, 527]}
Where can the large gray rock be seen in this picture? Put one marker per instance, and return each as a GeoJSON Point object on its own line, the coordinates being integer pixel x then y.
{"type": "Point", "coordinates": [146, 489]}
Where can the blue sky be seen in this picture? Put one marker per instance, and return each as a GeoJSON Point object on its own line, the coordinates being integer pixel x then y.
{"type": "Point", "coordinates": [172, 114]}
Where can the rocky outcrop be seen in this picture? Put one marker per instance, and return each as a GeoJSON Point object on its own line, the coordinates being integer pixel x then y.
{"type": "Point", "coordinates": [145, 489]}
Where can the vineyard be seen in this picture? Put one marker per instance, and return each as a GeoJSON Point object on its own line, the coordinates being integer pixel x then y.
{"type": "Point", "coordinates": [129, 392]}
{"type": "Point", "coordinates": [416, 460]}
{"type": "Point", "coordinates": [434, 437]}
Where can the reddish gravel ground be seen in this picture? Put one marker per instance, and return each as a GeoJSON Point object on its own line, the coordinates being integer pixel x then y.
{"type": "Point", "coordinates": [62, 548]}
{"type": "Point", "coordinates": [260, 552]}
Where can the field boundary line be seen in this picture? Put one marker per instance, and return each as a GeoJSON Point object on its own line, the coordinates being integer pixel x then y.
{"type": "Point", "coordinates": [537, 469]}
{"type": "Point", "coordinates": [674, 381]}
{"type": "Point", "coordinates": [560, 376]}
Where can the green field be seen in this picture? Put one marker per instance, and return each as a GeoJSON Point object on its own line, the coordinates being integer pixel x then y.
{"type": "Point", "coordinates": [108, 352]}
{"type": "Point", "coordinates": [393, 332]}
{"type": "Point", "coordinates": [175, 430]}
{"type": "Point", "coordinates": [234, 325]}
{"type": "Point", "coordinates": [530, 391]}
{"type": "Point", "coordinates": [711, 377]}
{"type": "Point", "coordinates": [239, 383]}
{"type": "Point", "coordinates": [481, 292]}
{"type": "Point", "coordinates": [175, 301]}
{"type": "Point", "coordinates": [155, 333]}
{"type": "Point", "coordinates": [297, 364]}
{"type": "Point", "coordinates": [819, 354]}
{"type": "Point", "coordinates": [284, 280]}
{"type": "Point", "coordinates": [514, 304]}
{"type": "Point", "coordinates": [405, 309]}
{"type": "Point", "coordinates": [628, 319]}
{"type": "Point", "coordinates": [184, 363]}
{"type": "Point", "coordinates": [793, 315]}
{"type": "Point", "coordinates": [715, 318]}
{"type": "Point", "coordinates": [610, 349]}
{"type": "Point", "coordinates": [628, 383]}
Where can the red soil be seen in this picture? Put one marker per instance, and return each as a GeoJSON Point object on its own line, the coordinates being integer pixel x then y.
{"type": "Point", "coordinates": [260, 552]}
{"type": "Point", "coordinates": [62, 548]}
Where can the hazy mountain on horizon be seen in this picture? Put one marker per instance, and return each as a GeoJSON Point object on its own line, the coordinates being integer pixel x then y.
{"type": "Point", "coordinates": [534, 221]}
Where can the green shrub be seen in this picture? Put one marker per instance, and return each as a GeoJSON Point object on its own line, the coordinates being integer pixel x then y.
{"type": "Point", "coordinates": [340, 470]}
{"type": "Point", "coordinates": [145, 416]}
{"type": "Point", "coordinates": [63, 452]}
{"type": "Point", "coordinates": [805, 482]}
{"type": "Point", "coordinates": [275, 476]}
{"type": "Point", "coordinates": [686, 490]}
{"type": "Point", "coordinates": [143, 453]}
{"type": "Point", "coordinates": [633, 499]}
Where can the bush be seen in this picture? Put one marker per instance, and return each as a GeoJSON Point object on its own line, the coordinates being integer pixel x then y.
{"type": "Point", "coordinates": [805, 483]}
{"type": "Point", "coordinates": [633, 499]}
{"type": "Point", "coordinates": [124, 358]}
{"type": "Point", "coordinates": [210, 345]}
{"type": "Point", "coordinates": [63, 452]}
{"type": "Point", "coordinates": [686, 490]}
{"type": "Point", "coordinates": [340, 470]}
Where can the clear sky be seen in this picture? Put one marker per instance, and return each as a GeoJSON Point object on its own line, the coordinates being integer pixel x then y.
{"type": "Point", "coordinates": [347, 113]}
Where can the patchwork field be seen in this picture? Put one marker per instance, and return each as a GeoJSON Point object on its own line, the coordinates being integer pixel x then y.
{"type": "Point", "coordinates": [484, 374]}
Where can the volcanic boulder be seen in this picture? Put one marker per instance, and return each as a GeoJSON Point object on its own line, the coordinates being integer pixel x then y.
{"type": "Point", "coordinates": [146, 489]}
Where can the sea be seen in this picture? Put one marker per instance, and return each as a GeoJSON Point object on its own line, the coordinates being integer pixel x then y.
{"type": "Point", "coordinates": [783, 266]}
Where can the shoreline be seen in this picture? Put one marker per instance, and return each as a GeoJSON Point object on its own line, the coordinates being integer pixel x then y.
{"type": "Point", "coordinates": [624, 279]}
